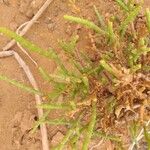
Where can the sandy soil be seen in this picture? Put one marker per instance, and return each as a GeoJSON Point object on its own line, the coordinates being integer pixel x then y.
{"type": "Point", "coordinates": [17, 108]}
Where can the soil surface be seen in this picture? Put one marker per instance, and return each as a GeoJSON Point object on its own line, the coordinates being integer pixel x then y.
{"type": "Point", "coordinates": [17, 108]}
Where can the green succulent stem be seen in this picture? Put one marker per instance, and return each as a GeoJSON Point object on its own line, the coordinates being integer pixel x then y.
{"type": "Point", "coordinates": [86, 23]}
{"type": "Point", "coordinates": [90, 127]}
{"type": "Point", "coordinates": [148, 19]}
{"type": "Point", "coordinates": [20, 85]}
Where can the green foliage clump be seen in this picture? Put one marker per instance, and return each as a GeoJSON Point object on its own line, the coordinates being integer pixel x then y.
{"type": "Point", "coordinates": [81, 85]}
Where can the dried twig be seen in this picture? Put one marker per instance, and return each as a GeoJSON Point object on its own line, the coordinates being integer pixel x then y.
{"type": "Point", "coordinates": [21, 48]}
{"type": "Point", "coordinates": [35, 86]}
{"type": "Point", "coordinates": [30, 23]}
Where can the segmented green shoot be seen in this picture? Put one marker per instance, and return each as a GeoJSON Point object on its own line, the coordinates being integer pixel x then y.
{"type": "Point", "coordinates": [95, 70]}
{"type": "Point", "coordinates": [69, 47]}
{"type": "Point", "coordinates": [86, 23]}
{"type": "Point", "coordinates": [111, 104]}
{"type": "Point", "coordinates": [134, 128]}
{"type": "Point", "coordinates": [130, 18]}
{"type": "Point", "coordinates": [106, 136]}
{"type": "Point", "coordinates": [56, 122]}
{"type": "Point", "coordinates": [59, 88]}
{"type": "Point", "coordinates": [26, 44]}
{"type": "Point", "coordinates": [146, 68]}
{"type": "Point", "coordinates": [108, 68]}
{"type": "Point", "coordinates": [50, 53]}
{"type": "Point", "coordinates": [108, 56]}
{"type": "Point", "coordinates": [45, 75]}
{"type": "Point", "coordinates": [131, 4]}
{"type": "Point", "coordinates": [20, 85]}
{"type": "Point", "coordinates": [85, 81]}
{"type": "Point", "coordinates": [60, 77]}
{"type": "Point", "coordinates": [74, 140]}
{"type": "Point", "coordinates": [78, 66]}
{"type": "Point", "coordinates": [86, 63]}
{"type": "Point", "coordinates": [64, 140]}
{"type": "Point", "coordinates": [40, 121]}
{"type": "Point", "coordinates": [55, 106]}
{"type": "Point", "coordinates": [148, 19]}
{"type": "Point", "coordinates": [123, 5]}
{"type": "Point", "coordinates": [70, 50]}
{"type": "Point", "coordinates": [85, 58]}
{"type": "Point", "coordinates": [90, 128]}
{"type": "Point", "coordinates": [111, 34]}
{"type": "Point", "coordinates": [147, 137]}
{"type": "Point", "coordinates": [75, 85]}
{"type": "Point", "coordinates": [136, 67]}
{"type": "Point", "coordinates": [100, 18]}
{"type": "Point", "coordinates": [68, 135]}
{"type": "Point", "coordinates": [135, 54]}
